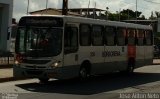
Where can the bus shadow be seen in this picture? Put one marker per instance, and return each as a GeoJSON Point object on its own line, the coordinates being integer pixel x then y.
{"type": "Point", "coordinates": [94, 85]}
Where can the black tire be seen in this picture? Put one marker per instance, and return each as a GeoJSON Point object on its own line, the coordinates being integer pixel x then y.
{"type": "Point", "coordinates": [131, 66]}
{"type": "Point", "coordinates": [43, 80]}
{"type": "Point", "coordinates": [84, 72]}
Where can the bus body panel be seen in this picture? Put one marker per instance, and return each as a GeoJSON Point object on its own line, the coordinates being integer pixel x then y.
{"type": "Point", "coordinates": [117, 57]}
{"type": "Point", "coordinates": [140, 56]}
{"type": "Point", "coordinates": [148, 55]}
{"type": "Point", "coordinates": [97, 59]}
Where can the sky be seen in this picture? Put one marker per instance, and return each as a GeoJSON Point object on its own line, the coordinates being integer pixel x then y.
{"type": "Point", "coordinates": [144, 6]}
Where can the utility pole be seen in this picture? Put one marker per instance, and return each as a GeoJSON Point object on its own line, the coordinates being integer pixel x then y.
{"type": "Point", "coordinates": [128, 14]}
{"type": "Point", "coordinates": [65, 7]}
{"type": "Point", "coordinates": [119, 14]}
{"type": "Point", "coordinates": [88, 9]}
{"type": "Point", "coordinates": [136, 10]}
{"type": "Point", "coordinates": [107, 12]}
{"type": "Point", "coordinates": [94, 11]}
{"type": "Point", "coordinates": [28, 8]}
{"type": "Point", "coordinates": [46, 4]}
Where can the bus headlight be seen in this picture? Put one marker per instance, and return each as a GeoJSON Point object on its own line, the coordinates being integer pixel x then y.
{"type": "Point", "coordinates": [16, 62]}
{"type": "Point", "coordinates": [55, 64]}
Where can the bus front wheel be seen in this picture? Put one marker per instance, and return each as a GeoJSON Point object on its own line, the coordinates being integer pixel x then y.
{"type": "Point", "coordinates": [84, 71]}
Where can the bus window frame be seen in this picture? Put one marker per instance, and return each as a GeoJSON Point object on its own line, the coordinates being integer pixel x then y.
{"type": "Point", "coordinates": [139, 37]}
{"type": "Point", "coordinates": [71, 49]}
{"type": "Point", "coordinates": [124, 35]}
{"type": "Point", "coordinates": [80, 35]}
{"type": "Point", "coordinates": [102, 36]}
{"type": "Point", "coordinates": [105, 33]}
{"type": "Point", "coordinates": [151, 37]}
{"type": "Point", "coordinates": [134, 36]}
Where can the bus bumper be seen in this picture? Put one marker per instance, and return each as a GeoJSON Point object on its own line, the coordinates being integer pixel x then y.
{"type": "Point", "coordinates": [19, 72]}
{"type": "Point", "coordinates": [57, 73]}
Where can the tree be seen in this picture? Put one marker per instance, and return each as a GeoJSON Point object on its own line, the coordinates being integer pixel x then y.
{"type": "Point", "coordinates": [152, 17]}
{"type": "Point", "coordinates": [130, 14]}
{"type": "Point", "coordinates": [142, 17]}
{"type": "Point", "coordinates": [157, 14]}
{"type": "Point", "coordinates": [123, 15]}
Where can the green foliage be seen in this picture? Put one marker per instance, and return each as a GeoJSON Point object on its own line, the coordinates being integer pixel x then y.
{"type": "Point", "coordinates": [124, 15]}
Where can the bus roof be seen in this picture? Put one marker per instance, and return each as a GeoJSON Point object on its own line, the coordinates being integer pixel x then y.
{"type": "Point", "coordinates": [95, 21]}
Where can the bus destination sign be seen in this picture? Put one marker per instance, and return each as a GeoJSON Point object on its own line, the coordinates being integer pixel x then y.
{"type": "Point", "coordinates": [41, 21]}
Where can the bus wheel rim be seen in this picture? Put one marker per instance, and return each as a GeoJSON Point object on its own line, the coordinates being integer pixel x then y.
{"type": "Point", "coordinates": [83, 73]}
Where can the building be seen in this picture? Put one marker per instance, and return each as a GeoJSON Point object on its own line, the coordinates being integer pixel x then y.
{"type": "Point", "coordinates": [88, 12]}
{"type": "Point", "coordinates": [52, 11]}
{"type": "Point", "coordinates": [6, 9]}
{"type": "Point", "coordinates": [82, 12]}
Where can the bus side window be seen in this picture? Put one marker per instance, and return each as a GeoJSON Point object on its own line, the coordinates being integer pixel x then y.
{"type": "Point", "coordinates": [85, 35]}
{"type": "Point", "coordinates": [121, 36]}
{"type": "Point", "coordinates": [109, 35]}
{"type": "Point", "coordinates": [70, 40]}
{"type": "Point", "coordinates": [148, 37]}
{"type": "Point", "coordinates": [131, 34]}
{"type": "Point", "coordinates": [97, 35]}
{"type": "Point", "coordinates": [140, 37]}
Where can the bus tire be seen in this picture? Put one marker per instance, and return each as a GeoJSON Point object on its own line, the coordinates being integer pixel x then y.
{"type": "Point", "coordinates": [43, 80]}
{"type": "Point", "coordinates": [131, 66]}
{"type": "Point", "coordinates": [84, 71]}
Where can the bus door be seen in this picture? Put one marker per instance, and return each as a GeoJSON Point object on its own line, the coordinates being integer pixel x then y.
{"type": "Point", "coordinates": [131, 36]}
{"type": "Point", "coordinates": [70, 50]}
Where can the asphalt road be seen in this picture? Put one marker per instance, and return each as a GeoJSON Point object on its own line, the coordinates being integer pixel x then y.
{"type": "Point", "coordinates": [109, 86]}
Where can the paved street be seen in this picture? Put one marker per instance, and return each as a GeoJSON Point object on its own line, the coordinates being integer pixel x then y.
{"type": "Point", "coordinates": [110, 86]}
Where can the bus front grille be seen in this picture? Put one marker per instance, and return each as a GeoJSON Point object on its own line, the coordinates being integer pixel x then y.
{"type": "Point", "coordinates": [35, 67]}
{"type": "Point", "coordinates": [31, 72]}
{"type": "Point", "coordinates": [35, 61]}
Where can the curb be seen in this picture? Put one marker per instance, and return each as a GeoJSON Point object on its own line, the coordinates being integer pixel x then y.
{"type": "Point", "coordinates": [156, 64]}
{"type": "Point", "coordinates": [11, 79]}
{"type": "Point", "coordinates": [6, 66]}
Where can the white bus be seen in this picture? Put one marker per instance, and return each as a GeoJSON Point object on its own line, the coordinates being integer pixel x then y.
{"type": "Point", "coordinates": [64, 47]}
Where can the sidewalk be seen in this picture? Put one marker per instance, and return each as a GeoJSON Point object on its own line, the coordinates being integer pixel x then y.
{"type": "Point", "coordinates": [6, 72]}
{"type": "Point", "coordinates": [156, 61]}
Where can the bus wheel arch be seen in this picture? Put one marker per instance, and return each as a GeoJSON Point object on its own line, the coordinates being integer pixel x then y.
{"type": "Point", "coordinates": [85, 69]}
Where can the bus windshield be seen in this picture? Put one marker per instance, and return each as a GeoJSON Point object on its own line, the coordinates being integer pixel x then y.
{"type": "Point", "coordinates": [39, 41]}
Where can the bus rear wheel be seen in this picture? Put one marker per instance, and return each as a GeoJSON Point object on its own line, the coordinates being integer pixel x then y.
{"type": "Point", "coordinates": [131, 65]}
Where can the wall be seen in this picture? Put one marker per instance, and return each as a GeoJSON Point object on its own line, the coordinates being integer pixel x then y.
{"type": "Point", "coordinates": [6, 9]}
